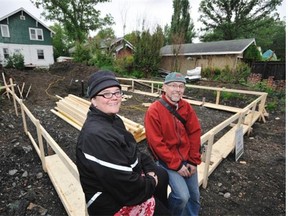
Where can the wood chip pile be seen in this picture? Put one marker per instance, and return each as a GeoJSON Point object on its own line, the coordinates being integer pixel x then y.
{"type": "Point", "coordinates": [74, 109]}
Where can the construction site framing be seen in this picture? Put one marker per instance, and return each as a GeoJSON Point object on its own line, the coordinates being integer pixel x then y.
{"type": "Point", "coordinates": [59, 166]}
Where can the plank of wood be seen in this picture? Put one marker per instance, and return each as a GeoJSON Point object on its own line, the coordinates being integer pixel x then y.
{"type": "Point", "coordinates": [146, 93]}
{"type": "Point", "coordinates": [74, 115]}
{"type": "Point", "coordinates": [65, 118]}
{"type": "Point", "coordinates": [126, 87]}
{"type": "Point", "coordinates": [222, 107]}
{"type": "Point", "coordinates": [146, 104]}
{"type": "Point", "coordinates": [68, 188]}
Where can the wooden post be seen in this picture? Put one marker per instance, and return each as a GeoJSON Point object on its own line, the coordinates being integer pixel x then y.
{"type": "Point", "coordinates": [28, 91]}
{"type": "Point", "coordinates": [218, 97]}
{"type": "Point", "coordinates": [250, 123]}
{"type": "Point", "coordinates": [152, 87]}
{"type": "Point", "coordinates": [241, 119]}
{"type": "Point", "coordinates": [22, 89]}
{"type": "Point", "coordinates": [82, 88]}
{"type": "Point", "coordinates": [262, 110]}
{"type": "Point", "coordinates": [41, 147]}
{"type": "Point", "coordinates": [20, 92]}
{"type": "Point", "coordinates": [6, 87]}
{"type": "Point", "coordinates": [133, 85]}
{"type": "Point", "coordinates": [13, 95]}
{"type": "Point", "coordinates": [207, 160]}
{"type": "Point", "coordinates": [23, 117]}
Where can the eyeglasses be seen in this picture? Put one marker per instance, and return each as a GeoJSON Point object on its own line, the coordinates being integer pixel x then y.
{"type": "Point", "coordinates": [175, 87]}
{"type": "Point", "coordinates": [109, 95]}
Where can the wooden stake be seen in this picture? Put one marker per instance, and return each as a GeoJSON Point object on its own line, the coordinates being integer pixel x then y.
{"type": "Point", "coordinates": [28, 91]}
{"type": "Point", "coordinates": [6, 87]}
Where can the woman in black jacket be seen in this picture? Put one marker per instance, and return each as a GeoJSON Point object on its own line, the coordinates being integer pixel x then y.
{"type": "Point", "coordinates": [116, 177]}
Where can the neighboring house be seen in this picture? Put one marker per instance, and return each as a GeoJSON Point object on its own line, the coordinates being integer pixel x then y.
{"type": "Point", "coordinates": [217, 54]}
{"type": "Point", "coordinates": [119, 47]}
{"type": "Point", "coordinates": [21, 32]}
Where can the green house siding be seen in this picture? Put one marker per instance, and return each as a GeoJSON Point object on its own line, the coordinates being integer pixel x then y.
{"type": "Point", "coordinates": [19, 30]}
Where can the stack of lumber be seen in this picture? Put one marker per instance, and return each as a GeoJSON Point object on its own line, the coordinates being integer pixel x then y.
{"type": "Point", "coordinates": [74, 109]}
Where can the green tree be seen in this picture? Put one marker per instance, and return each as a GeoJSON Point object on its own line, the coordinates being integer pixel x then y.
{"type": "Point", "coordinates": [181, 23]}
{"type": "Point", "coordinates": [77, 17]}
{"type": "Point", "coordinates": [228, 20]}
{"type": "Point", "coordinates": [82, 54]}
{"type": "Point", "coordinates": [166, 34]}
{"type": "Point", "coordinates": [99, 48]}
{"type": "Point", "coordinates": [132, 37]}
{"type": "Point", "coordinates": [102, 41]}
{"type": "Point", "coordinates": [147, 51]}
{"type": "Point", "coordinates": [252, 54]}
{"type": "Point", "coordinates": [106, 33]}
{"type": "Point", "coordinates": [60, 41]}
{"type": "Point", "coordinates": [273, 38]}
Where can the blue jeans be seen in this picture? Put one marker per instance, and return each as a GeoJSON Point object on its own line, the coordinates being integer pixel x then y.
{"type": "Point", "coordinates": [184, 199]}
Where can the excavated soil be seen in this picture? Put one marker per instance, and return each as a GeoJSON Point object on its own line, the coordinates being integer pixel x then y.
{"type": "Point", "coordinates": [254, 185]}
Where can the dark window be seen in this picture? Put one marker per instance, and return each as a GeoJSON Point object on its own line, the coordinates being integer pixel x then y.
{"type": "Point", "coordinates": [36, 34]}
{"type": "Point", "coordinates": [40, 54]}
{"type": "Point", "coordinates": [6, 53]}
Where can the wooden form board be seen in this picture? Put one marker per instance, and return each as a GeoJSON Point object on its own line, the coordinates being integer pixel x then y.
{"type": "Point", "coordinates": [68, 188]}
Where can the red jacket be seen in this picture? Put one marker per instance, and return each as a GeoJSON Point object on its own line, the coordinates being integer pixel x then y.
{"type": "Point", "coordinates": [170, 141]}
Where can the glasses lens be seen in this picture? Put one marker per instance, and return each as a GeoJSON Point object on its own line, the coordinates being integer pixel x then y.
{"type": "Point", "coordinates": [118, 94]}
{"type": "Point", "coordinates": [174, 86]}
{"type": "Point", "coordinates": [109, 95]}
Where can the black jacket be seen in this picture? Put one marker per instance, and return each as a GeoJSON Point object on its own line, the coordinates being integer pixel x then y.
{"type": "Point", "coordinates": [110, 165]}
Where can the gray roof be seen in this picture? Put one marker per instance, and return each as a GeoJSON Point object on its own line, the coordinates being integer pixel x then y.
{"type": "Point", "coordinates": [209, 48]}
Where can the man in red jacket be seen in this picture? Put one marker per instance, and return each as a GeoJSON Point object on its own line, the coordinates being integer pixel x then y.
{"type": "Point", "coordinates": [175, 143]}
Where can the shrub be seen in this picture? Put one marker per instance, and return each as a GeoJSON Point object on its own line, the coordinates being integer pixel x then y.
{"type": "Point", "coordinates": [124, 65]}
{"type": "Point", "coordinates": [16, 61]}
{"type": "Point", "coordinates": [101, 60]}
{"type": "Point", "coordinates": [82, 54]}
{"type": "Point", "coordinates": [239, 75]}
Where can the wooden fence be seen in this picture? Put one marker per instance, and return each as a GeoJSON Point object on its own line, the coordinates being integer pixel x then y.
{"type": "Point", "coordinates": [59, 166]}
{"type": "Point", "coordinates": [61, 169]}
{"type": "Point", "coordinates": [215, 150]}
{"type": "Point", "coordinates": [270, 68]}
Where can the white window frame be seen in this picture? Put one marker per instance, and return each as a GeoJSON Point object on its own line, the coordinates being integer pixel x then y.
{"type": "Point", "coordinates": [40, 54]}
{"type": "Point", "coordinates": [36, 34]}
{"type": "Point", "coordinates": [5, 30]}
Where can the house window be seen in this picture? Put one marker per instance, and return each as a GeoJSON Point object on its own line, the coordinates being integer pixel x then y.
{"type": "Point", "coordinates": [40, 54]}
{"type": "Point", "coordinates": [36, 34]}
{"type": "Point", "coordinates": [5, 31]}
{"type": "Point", "coordinates": [6, 53]}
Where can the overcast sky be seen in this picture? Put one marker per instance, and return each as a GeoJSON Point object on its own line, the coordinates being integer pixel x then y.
{"type": "Point", "coordinates": [129, 12]}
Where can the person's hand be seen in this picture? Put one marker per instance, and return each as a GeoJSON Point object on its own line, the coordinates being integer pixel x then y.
{"type": "Point", "coordinates": [154, 176]}
{"type": "Point", "coordinates": [184, 171]}
{"type": "Point", "coordinates": [192, 169]}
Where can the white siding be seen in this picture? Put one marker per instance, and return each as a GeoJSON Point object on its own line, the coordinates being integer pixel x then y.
{"type": "Point", "coordinates": [30, 54]}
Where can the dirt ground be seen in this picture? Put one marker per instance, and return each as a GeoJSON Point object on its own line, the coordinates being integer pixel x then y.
{"type": "Point", "coordinates": [254, 185]}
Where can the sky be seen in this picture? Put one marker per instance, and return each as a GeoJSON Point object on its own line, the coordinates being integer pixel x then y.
{"type": "Point", "coordinates": [129, 12]}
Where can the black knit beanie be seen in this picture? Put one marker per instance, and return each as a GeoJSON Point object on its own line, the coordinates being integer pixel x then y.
{"type": "Point", "coordinates": [100, 80]}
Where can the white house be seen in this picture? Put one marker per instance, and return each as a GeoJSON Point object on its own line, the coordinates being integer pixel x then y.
{"type": "Point", "coordinates": [21, 32]}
